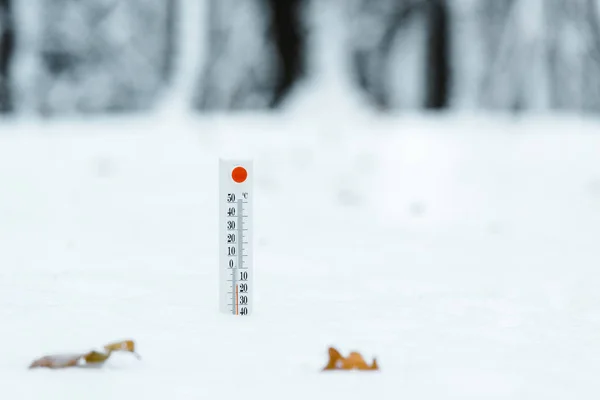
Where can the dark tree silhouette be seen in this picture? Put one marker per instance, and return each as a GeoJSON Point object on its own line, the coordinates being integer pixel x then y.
{"type": "Point", "coordinates": [288, 38]}
{"type": "Point", "coordinates": [7, 44]}
{"type": "Point", "coordinates": [255, 54]}
{"type": "Point", "coordinates": [438, 55]}
{"type": "Point", "coordinates": [372, 64]}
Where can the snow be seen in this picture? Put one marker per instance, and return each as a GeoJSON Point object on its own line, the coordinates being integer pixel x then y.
{"type": "Point", "coordinates": [460, 251]}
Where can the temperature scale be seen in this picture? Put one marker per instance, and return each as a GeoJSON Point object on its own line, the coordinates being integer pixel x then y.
{"type": "Point", "coordinates": [235, 237]}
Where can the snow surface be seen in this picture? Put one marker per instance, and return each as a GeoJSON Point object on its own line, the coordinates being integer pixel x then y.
{"type": "Point", "coordinates": [460, 251]}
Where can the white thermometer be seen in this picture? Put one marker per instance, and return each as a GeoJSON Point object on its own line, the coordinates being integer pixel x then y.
{"type": "Point", "coordinates": [235, 237]}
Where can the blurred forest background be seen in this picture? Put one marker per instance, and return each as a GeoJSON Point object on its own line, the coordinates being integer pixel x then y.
{"type": "Point", "coordinates": [103, 56]}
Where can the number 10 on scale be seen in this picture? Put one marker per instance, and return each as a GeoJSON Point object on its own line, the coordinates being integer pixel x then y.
{"type": "Point", "coordinates": [235, 237]}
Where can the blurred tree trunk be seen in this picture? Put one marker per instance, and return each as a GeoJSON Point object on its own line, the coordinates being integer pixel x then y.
{"type": "Point", "coordinates": [255, 54]}
{"type": "Point", "coordinates": [374, 31]}
{"type": "Point", "coordinates": [508, 51]}
{"type": "Point", "coordinates": [421, 28]}
{"type": "Point", "coordinates": [591, 72]}
{"type": "Point", "coordinates": [171, 37]}
{"type": "Point", "coordinates": [286, 31]}
{"type": "Point", "coordinates": [7, 44]}
{"type": "Point", "coordinates": [438, 54]}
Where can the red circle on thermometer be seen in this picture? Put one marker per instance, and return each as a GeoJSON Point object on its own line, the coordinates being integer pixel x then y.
{"type": "Point", "coordinates": [239, 174]}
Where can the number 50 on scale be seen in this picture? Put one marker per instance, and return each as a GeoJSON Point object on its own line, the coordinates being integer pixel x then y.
{"type": "Point", "coordinates": [235, 237]}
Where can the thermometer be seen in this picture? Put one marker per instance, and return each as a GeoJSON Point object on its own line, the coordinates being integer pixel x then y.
{"type": "Point", "coordinates": [235, 237]}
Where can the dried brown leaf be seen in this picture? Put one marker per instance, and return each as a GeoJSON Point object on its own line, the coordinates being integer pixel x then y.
{"type": "Point", "coordinates": [96, 358]}
{"type": "Point", "coordinates": [354, 361]}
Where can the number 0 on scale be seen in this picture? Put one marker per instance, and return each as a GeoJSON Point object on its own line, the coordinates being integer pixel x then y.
{"type": "Point", "coordinates": [235, 237]}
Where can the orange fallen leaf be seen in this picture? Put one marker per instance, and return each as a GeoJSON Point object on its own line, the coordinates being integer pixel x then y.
{"type": "Point", "coordinates": [125, 345]}
{"type": "Point", "coordinates": [91, 358]}
{"type": "Point", "coordinates": [353, 361]}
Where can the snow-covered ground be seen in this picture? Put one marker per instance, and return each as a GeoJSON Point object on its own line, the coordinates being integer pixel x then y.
{"type": "Point", "coordinates": [462, 252]}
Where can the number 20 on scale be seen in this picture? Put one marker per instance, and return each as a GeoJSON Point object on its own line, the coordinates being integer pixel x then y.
{"type": "Point", "coordinates": [235, 237]}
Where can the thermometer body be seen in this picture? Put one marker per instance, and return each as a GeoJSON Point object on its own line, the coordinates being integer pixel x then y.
{"type": "Point", "coordinates": [235, 237]}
